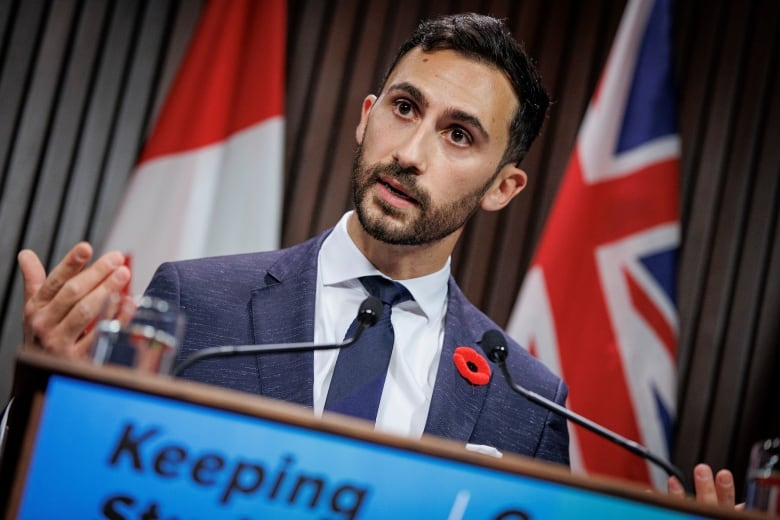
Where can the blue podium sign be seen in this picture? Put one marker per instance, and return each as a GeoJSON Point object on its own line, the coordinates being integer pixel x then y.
{"type": "Point", "coordinates": [107, 452]}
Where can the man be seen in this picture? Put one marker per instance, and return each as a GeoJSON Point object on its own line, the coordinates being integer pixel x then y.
{"type": "Point", "coordinates": [445, 135]}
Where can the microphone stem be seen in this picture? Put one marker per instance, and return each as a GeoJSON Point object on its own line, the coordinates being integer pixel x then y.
{"type": "Point", "coordinates": [228, 350]}
{"type": "Point", "coordinates": [628, 444]}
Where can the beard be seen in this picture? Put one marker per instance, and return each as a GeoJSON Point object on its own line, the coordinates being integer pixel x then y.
{"type": "Point", "coordinates": [423, 224]}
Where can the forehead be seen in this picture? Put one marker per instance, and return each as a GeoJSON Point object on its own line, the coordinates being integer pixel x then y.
{"type": "Point", "coordinates": [454, 81]}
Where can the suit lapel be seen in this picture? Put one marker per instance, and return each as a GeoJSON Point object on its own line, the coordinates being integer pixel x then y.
{"type": "Point", "coordinates": [282, 311]}
{"type": "Point", "coordinates": [456, 403]}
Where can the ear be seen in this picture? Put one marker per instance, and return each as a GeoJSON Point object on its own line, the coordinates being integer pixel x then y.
{"type": "Point", "coordinates": [509, 182]}
{"type": "Point", "coordinates": [368, 102]}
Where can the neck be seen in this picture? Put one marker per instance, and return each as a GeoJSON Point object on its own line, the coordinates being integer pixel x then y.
{"type": "Point", "coordinates": [401, 262]}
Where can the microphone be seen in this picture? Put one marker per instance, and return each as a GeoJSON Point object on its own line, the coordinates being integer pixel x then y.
{"type": "Point", "coordinates": [494, 345]}
{"type": "Point", "coordinates": [368, 314]}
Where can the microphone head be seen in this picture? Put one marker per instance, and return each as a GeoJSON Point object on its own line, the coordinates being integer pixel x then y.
{"type": "Point", "coordinates": [494, 345]}
{"type": "Point", "coordinates": [370, 311]}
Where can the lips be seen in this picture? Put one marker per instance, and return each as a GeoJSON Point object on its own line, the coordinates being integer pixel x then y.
{"type": "Point", "coordinates": [397, 189]}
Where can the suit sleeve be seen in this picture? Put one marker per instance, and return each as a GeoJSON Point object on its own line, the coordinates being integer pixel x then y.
{"type": "Point", "coordinates": [554, 441]}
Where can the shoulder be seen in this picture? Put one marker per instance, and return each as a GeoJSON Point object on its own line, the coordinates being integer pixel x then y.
{"type": "Point", "coordinates": [244, 268]}
{"type": "Point", "coordinates": [233, 277]}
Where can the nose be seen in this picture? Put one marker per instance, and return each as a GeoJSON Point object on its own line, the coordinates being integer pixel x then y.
{"type": "Point", "coordinates": [411, 152]}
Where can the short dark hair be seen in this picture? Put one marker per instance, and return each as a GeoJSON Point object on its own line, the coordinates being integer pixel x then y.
{"type": "Point", "coordinates": [488, 40]}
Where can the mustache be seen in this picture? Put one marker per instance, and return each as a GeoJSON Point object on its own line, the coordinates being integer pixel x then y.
{"type": "Point", "coordinates": [406, 177]}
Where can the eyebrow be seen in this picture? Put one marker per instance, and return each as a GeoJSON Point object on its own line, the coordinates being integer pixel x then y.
{"type": "Point", "coordinates": [416, 94]}
{"type": "Point", "coordinates": [471, 120]}
{"type": "Point", "coordinates": [456, 114]}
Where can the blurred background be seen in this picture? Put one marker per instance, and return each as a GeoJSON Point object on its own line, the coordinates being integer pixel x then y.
{"type": "Point", "coordinates": [81, 83]}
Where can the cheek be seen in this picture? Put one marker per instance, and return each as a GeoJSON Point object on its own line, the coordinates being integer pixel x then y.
{"type": "Point", "coordinates": [456, 179]}
{"type": "Point", "coordinates": [380, 119]}
{"type": "Point", "coordinates": [377, 140]}
{"type": "Point", "coordinates": [446, 184]}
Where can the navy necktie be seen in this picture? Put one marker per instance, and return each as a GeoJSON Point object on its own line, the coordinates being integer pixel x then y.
{"type": "Point", "coordinates": [360, 372]}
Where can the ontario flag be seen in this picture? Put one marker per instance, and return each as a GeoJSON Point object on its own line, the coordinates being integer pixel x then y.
{"type": "Point", "coordinates": [210, 178]}
{"type": "Point", "coordinates": [598, 303]}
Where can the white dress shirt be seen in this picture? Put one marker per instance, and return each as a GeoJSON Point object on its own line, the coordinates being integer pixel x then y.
{"type": "Point", "coordinates": [418, 325]}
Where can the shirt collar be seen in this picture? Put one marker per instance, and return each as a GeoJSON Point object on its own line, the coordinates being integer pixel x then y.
{"type": "Point", "coordinates": [342, 263]}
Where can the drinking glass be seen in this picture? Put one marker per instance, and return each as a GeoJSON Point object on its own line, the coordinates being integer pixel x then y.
{"type": "Point", "coordinates": [147, 342]}
{"type": "Point", "coordinates": [763, 477]}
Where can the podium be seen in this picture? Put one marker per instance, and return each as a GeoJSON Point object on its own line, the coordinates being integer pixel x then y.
{"type": "Point", "coordinates": [108, 442]}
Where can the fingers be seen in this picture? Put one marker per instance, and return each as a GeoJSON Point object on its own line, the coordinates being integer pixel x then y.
{"type": "Point", "coordinates": [33, 276]}
{"type": "Point", "coordinates": [712, 490]}
{"type": "Point", "coordinates": [117, 306]}
{"type": "Point", "coordinates": [59, 307]}
{"type": "Point", "coordinates": [74, 261]}
{"type": "Point", "coordinates": [33, 272]}
{"type": "Point", "coordinates": [65, 325]}
{"type": "Point", "coordinates": [675, 487]}
{"type": "Point", "coordinates": [83, 295]}
{"type": "Point", "coordinates": [74, 285]}
{"type": "Point", "coordinates": [724, 487]}
{"type": "Point", "coordinates": [82, 346]}
{"type": "Point", "coordinates": [704, 484]}
{"type": "Point", "coordinates": [126, 310]}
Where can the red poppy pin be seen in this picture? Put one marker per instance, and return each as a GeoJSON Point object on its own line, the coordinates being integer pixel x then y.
{"type": "Point", "coordinates": [473, 367]}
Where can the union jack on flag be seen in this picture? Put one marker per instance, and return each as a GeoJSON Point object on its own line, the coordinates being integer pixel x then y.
{"type": "Point", "coordinates": [598, 303]}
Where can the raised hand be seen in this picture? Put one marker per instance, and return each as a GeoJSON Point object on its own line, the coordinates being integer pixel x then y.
{"type": "Point", "coordinates": [59, 308]}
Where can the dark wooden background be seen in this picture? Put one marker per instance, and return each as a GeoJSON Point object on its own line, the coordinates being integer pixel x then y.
{"type": "Point", "coordinates": [82, 80]}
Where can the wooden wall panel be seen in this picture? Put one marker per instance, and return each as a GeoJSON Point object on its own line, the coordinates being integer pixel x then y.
{"type": "Point", "coordinates": [355, 85]}
{"type": "Point", "coordinates": [49, 177]}
{"type": "Point", "coordinates": [28, 120]}
{"type": "Point", "coordinates": [709, 261]}
{"type": "Point", "coordinates": [743, 225]}
{"type": "Point", "coordinates": [730, 209]}
{"type": "Point", "coordinates": [81, 82]}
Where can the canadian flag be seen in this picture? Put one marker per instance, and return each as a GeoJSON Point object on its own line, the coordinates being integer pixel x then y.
{"type": "Point", "coordinates": [598, 303]}
{"type": "Point", "coordinates": [210, 178]}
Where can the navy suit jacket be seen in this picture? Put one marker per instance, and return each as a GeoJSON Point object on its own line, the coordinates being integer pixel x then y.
{"type": "Point", "coordinates": [261, 298]}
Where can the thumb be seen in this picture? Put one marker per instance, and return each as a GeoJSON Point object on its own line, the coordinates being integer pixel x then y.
{"type": "Point", "coordinates": [33, 272]}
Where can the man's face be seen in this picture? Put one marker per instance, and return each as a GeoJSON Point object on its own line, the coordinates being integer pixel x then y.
{"type": "Point", "coordinates": [429, 147]}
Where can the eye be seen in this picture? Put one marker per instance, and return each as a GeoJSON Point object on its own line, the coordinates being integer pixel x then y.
{"type": "Point", "coordinates": [404, 107]}
{"type": "Point", "coordinates": [460, 136]}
